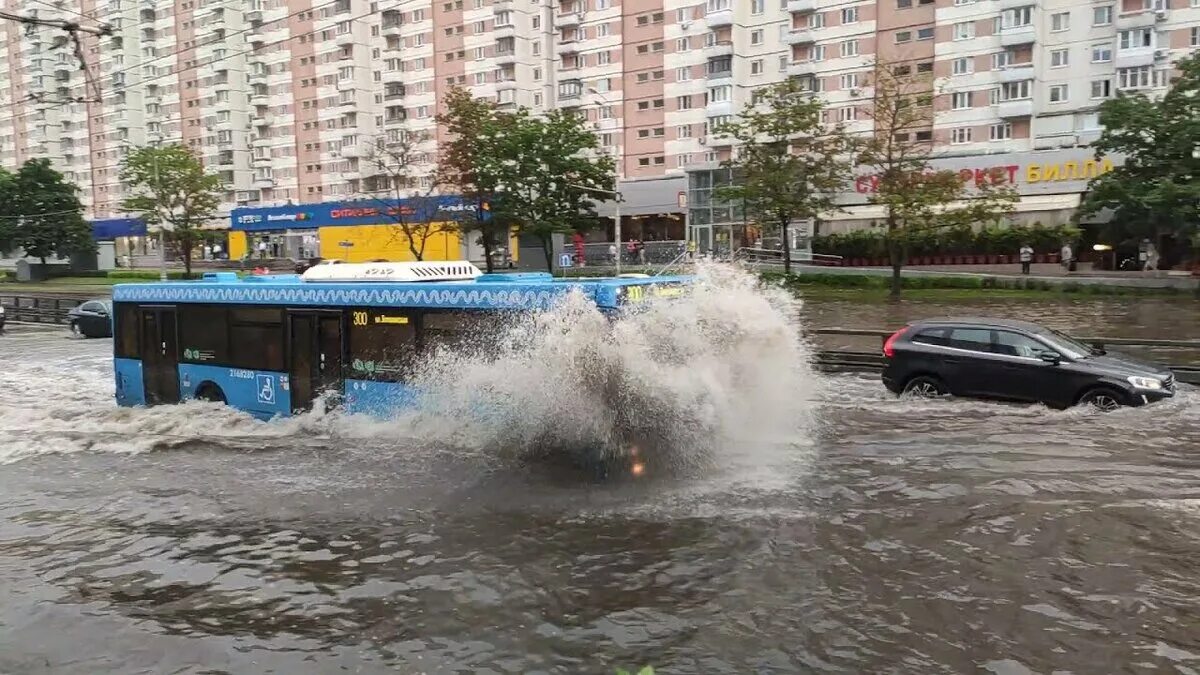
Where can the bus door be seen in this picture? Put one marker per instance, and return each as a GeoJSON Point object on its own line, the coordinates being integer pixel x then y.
{"type": "Point", "coordinates": [160, 354]}
{"type": "Point", "coordinates": [315, 346]}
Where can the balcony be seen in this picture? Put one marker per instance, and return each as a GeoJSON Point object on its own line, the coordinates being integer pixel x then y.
{"type": "Point", "coordinates": [1133, 58]}
{"type": "Point", "coordinates": [502, 30]}
{"type": "Point", "coordinates": [259, 99]}
{"type": "Point", "coordinates": [719, 70]}
{"type": "Point", "coordinates": [718, 49]}
{"type": "Point", "coordinates": [349, 151]}
{"type": "Point", "coordinates": [801, 6]}
{"type": "Point", "coordinates": [568, 47]}
{"type": "Point", "coordinates": [568, 20]}
{"type": "Point", "coordinates": [799, 36]}
{"type": "Point", "coordinates": [260, 160]}
{"type": "Point", "coordinates": [254, 16]}
{"type": "Point", "coordinates": [225, 159]}
{"type": "Point", "coordinates": [802, 68]}
{"type": "Point", "coordinates": [510, 83]}
{"type": "Point", "coordinates": [262, 120]}
{"type": "Point", "coordinates": [344, 39]}
{"type": "Point", "coordinates": [395, 93]}
{"type": "Point", "coordinates": [1018, 108]}
{"type": "Point", "coordinates": [719, 17]}
{"type": "Point", "coordinates": [263, 182]}
{"type": "Point", "coordinates": [260, 142]}
{"type": "Point", "coordinates": [1142, 18]}
{"type": "Point", "coordinates": [1015, 72]}
{"type": "Point", "coordinates": [505, 57]}
{"type": "Point", "coordinates": [256, 75]}
{"type": "Point", "coordinates": [1017, 36]}
{"type": "Point", "coordinates": [391, 30]}
{"type": "Point", "coordinates": [1002, 5]}
{"type": "Point", "coordinates": [719, 108]}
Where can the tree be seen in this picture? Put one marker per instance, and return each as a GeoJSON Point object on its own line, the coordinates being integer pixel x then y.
{"type": "Point", "coordinates": [465, 120]}
{"type": "Point", "coordinates": [412, 209]}
{"type": "Point", "coordinates": [1156, 191]}
{"type": "Point", "coordinates": [788, 166]}
{"type": "Point", "coordinates": [915, 196]}
{"type": "Point", "coordinates": [49, 216]}
{"type": "Point", "coordinates": [172, 192]}
{"type": "Point", "coordinates": [546, 170]}
{"type": "Point", "coordinates": [8, 214]}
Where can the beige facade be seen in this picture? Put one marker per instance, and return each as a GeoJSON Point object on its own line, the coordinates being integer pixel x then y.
{"type": "Point", "coordinates": [281, 97]}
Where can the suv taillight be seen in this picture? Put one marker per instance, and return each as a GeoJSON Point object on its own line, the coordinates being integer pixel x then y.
{"type": "Point", "coordinates": [889, 349]}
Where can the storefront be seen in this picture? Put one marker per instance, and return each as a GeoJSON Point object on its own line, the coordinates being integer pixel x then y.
{"type": "Point", "coordinates": [128, 236]}
{"type": "Point", "coordinates": [357, 231]}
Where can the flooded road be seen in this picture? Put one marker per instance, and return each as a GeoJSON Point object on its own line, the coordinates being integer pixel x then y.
{"type": "Point", "coordinates": [898, 536]}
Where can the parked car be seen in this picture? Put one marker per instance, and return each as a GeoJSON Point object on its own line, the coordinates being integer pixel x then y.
{"type": "Point", "coordinates": [2, 317]}
{"type": "Point", "coordinates": [303, 265]}
{"type": "Point", "coordinates": [91, 319]}
{"type": "Point", "coordinates": [1016, 361]}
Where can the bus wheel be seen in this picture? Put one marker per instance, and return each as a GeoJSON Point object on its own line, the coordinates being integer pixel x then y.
{"type": "Point", "coordinates": [210, 392]}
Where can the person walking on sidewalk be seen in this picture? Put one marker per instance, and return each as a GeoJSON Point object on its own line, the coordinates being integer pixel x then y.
{"type": "Point", "coordinates": [1026, 256]}
{"type": "Point", "coordinates": [1067, 256]}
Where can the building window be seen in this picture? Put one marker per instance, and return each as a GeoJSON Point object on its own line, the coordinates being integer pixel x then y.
{"type": "Point", "coordinates": [1102, 16]}
{"type": "Point", "coordinates": [1058, 93]}
{"type": "Point", "coordinates": [1137, 38]}
{"type": "Point", "coordinates": [1059, 58]}
{"type": "Point", "coordinates": [720, 94]}
{"type": "Point", "coordinates": [1101, 88]}
{"type": "Point", "coordinates": [683, 102]}
{"type": "Point", "coordinates": [1144, 77]}
{"type": "Point", "coordinates": [926, 67]}
{"type": "Point", "coordinates": [959, 135]}
{"type": "Point", "coordinates": [925, 33]}
{"type": "Point", "coordinates": [683, 74]}
{"type": "Point", "coordinates": [1015, 91]}
{"type": "Point", "coordinates": [683, 44]}
{"type": "Point", "coordinates": [924, 135]}
{"type": "Point", "coordinates": [1016, 18]}
{"type": "Point", "coordinates": [961, 100]}
{"type": "Point", "coordinates": [683, 131]}
{"type": "Point", "coordinates": [850, 15]}
{"type": "Point", "coordinates": [1060, 21]}
{"type": "Point", "coordinates": [1001, 132]}
{"type": "Point", "coordinates": [603, 58]}
{"type": "Point", "coordinates": [962, 66]}
{"type": "Point", "coordinates": [1195, 36]}
{"type": "Point", "coordinates": [847, 114]}
{"type": "Point", "coordinates": [903, 4]}
{"type": "Point", "coordinates": [756, 37]}
{"type": "Point", "coordinates": [964, 30]}
{"type": "Point", "coordinates": [903, 36]}
{"type": "Point", "coordinates": [850, 81]}
{"type": "Point", "coordinates": [849, 48]}
{"type": "Point", "coordinates": [758, 6]}
{"type": "Point", "coordinates": [756, 67]}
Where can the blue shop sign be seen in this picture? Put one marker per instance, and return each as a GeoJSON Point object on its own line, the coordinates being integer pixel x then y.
{"type": "Point", "coordinates": [111, 228]}
{"type": "Point", "coordinates": [364, 212]}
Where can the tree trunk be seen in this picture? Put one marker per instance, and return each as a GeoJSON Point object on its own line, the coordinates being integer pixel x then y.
{"type": "Point", "coordinates": [187, 257]}
{"type": "Point", "coordinates": [896, 254]}
{"type": "Point", "coordinates": [548, 249]}
{"type": "Point", "coordinates": [787, 246]}
{"type": "Point", "coordinates": [485, 237]}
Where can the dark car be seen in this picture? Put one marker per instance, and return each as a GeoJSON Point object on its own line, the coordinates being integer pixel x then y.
{"type": "Point", "coordinates": [303, 265]}
{"type": "Point", "coordinates": [1016, 361]}
{"type": "Point", "coordinates": [2, 318]}
{"type": "Point", "coordinates": [91, 319]}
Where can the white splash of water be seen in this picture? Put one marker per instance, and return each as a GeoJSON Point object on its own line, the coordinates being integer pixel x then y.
{"type": "Point", "coordinates": [717, 371]}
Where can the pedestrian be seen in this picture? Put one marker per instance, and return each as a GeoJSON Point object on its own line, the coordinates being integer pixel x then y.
{"type": "Point", "coordinates": [1067, 257]}
{"type": "Point", "coordinates": [612, 254]}
{"type": "Point", "coordinates": [216, 251]}
{"type": "Point", "coordinates": [1026, 256]}
{"type": "Point", "coordinates": [639, 247]}
{"type": "Point", "coordinates": [208, 252]}
{"type": "Point", "coordinates": [262, 249]}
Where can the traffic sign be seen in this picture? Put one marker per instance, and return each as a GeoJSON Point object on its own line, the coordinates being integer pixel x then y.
{"type": "Point", "coordinates": [565, 260]}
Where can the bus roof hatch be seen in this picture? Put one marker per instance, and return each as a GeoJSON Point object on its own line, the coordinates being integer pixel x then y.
{"type": "Point", "coordinates": [455, 270]}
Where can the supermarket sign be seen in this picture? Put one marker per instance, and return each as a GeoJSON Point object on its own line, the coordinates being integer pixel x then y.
{"type": "Point", "coordinates": [1030, 173]}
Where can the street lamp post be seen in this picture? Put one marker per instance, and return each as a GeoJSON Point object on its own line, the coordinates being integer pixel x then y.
{"type": "Point", "coordinates": [615, 193]}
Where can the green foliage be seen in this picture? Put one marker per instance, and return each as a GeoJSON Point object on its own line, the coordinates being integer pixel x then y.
{"type": "Point", "coordinates": [148, 275]}
{"type": "Point", "coordinates": [43, 213]}
{"type": "Point", "coordinates": [172, 192]}
{"type": "Point", "coordinates": [880, 283]}
{"type": "Point", "coordinates": [648, 670]}
{"type": "Point", "coordinates": [1157, 189]}
{"type": "Point", "coordinates": [956, 240]}
{"type": "Point", "coordinates": [788, 166]}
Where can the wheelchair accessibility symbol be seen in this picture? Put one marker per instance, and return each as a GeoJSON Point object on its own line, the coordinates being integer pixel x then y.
{"type": "Point", "coordinates": [266, 389]}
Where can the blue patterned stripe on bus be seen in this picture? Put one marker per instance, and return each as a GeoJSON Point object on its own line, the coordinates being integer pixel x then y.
{"type": "Point", "coordinates": [350, 297]}
{"type": "Point", "coordinates": [128, 374]}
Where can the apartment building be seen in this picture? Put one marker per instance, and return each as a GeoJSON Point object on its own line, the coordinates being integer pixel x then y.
{"type": "Point", "coordinates": [283, 98]}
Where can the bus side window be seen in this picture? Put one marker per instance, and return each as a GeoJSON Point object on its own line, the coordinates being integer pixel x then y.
{"type": "Point", "coordinates": [256, 338]}
{"type": "Point", "coordinates": [126, 324]}
{"type": "Point", "coordinates": [382, 345]}
{"type": "Point", "coordinates": [461, 331]}
{"type": "Point", "coordinates": [204, 334]}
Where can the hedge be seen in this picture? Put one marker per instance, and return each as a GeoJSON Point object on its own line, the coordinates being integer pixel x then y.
{"type": "Point", "coordinates": [951, 241]}
{"type": "Point", "coordinates": [149, 275]}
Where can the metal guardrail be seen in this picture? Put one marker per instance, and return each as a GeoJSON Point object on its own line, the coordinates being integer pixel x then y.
{"type": "Point", "coordinates": [849, 361]}
{"type": "Point", "coordinates": [38, 308]}
{"type": "Point", "coordinates": [768, 256]}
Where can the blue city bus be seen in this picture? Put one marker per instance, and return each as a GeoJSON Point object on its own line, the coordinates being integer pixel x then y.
{"type": "Point", "coordinates": [273, 345]}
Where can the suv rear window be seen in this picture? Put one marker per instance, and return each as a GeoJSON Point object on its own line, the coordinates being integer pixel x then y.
{"type": "Point", "coordinates": [971, 339]}
{"type": "Point", "coordinates": [931, 336]}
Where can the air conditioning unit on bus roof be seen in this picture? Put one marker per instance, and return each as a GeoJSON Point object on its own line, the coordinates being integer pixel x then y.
{"type": "Point", "coordinates": [455, 270]}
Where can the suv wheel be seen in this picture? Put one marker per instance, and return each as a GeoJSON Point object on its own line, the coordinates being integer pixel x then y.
{"type": "Point", "coordinates": [924, 386]}
{"type": "Point", "coordinates": [75, 330]}
{"type": "Point", "coordinates": [1104, 400]}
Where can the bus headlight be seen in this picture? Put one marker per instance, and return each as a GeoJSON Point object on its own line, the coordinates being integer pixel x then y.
{"type": "Point", "coordinates": [1145, 382]}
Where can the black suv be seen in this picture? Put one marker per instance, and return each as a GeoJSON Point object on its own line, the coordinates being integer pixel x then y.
{"type": "Point", "coordinates": [1015, 361]}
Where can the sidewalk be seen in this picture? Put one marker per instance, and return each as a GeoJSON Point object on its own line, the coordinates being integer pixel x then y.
{"type": "Point", "coordinates": [1045, 273]}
